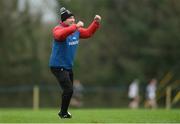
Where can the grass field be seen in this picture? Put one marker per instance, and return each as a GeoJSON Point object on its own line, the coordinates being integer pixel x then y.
{"type": "Point", "coordinates": [90, 116]}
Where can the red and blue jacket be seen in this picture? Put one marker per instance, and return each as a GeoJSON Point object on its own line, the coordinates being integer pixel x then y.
{"type": "Point", "coordinates": [65, 43]}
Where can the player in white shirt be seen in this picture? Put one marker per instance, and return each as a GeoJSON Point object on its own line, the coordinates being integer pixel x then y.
{"type": "Point", "coordinates": [133, 94]}
{"type": "Point", "coordinates": [151, 94]}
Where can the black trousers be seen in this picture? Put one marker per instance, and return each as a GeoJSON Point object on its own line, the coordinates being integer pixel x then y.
{"type": "Point", "coordinates": [65, 79]}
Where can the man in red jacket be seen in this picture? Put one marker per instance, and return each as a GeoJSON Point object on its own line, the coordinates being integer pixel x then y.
{"type": "Point", "coordinates": [66, 39]}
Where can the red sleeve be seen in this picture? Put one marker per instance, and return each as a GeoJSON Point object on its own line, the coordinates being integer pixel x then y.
{"type": "Point", "coordinates": [88, 32]}
{"type": "Point", "coordinates": [60, 33]}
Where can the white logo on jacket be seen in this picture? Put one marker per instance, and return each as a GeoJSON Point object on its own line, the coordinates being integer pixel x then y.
{"type": "Point", "coordinates": [74, 42]}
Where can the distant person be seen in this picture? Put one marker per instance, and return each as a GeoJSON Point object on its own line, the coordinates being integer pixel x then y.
{"type": "Point", "coordinates": [133, 94]}
{"type": "Point", "coordinates": [151, 94]}
{"type": "Point", "coordinates": [65, 43]}
{"type": "Point", "coordinates": [76, 100]}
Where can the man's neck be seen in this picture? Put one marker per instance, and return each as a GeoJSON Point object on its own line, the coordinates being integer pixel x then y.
{"type": "Point", "coordinates": [64, 24]}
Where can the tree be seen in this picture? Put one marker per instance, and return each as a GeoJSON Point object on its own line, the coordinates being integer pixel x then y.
{"type": "Point", "coordinates": [137, 39]}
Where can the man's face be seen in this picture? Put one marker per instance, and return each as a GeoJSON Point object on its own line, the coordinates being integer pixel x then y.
{"type": "Point", "coordinates": [69, 21]}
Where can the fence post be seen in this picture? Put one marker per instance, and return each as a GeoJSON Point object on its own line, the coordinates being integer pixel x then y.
{"type": "Point", "coordinates": [35, 97]}
{"type": "Point", "coordinates": [168, 97]}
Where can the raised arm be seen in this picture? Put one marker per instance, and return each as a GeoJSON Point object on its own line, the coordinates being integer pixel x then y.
{"type": "Point", "coordinates": [60, 33]}
{"type": "Point", "coordinates": [88, 32]}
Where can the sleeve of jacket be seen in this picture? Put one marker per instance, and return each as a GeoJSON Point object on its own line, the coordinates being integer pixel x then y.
{"type": "Point", "coordinates": [60, 33]}
{"type": "Point", "coordinates": [88, 32]}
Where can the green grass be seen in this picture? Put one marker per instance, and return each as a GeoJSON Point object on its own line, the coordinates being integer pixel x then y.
{"type": "Point", "coordinates": [90, 116]}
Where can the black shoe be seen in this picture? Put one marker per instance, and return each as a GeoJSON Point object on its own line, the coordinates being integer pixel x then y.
{"type": "Point", "coordinates": [65, 115]}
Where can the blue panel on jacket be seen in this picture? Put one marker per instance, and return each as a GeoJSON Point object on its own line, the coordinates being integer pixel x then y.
{"type": "Point", "coordinates": [63, 53]}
